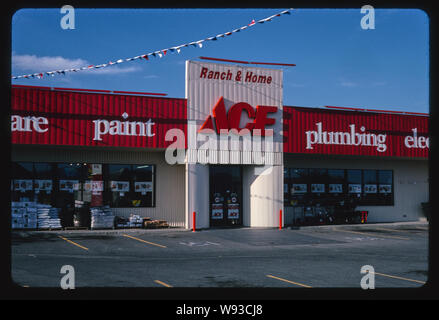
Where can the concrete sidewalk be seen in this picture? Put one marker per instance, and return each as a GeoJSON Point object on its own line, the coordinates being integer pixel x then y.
{"type": "Point", "coordinates": [394, 225]}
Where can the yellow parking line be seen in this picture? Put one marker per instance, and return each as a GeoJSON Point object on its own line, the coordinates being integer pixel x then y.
{"type": "Point", "coordinates": [141, 240]}
{"type": "Point", "coordinates": [395, 230]}
{"type": "Point", "coordinates": [391, 230]}
{"type": "Point", "coordinates": [162, 283]}
{"type": "Point", "coordinates": [374, 235]}
{"type": "Point", "coordinates": [74, 243]}
{"type": "Point", "coordinates": [400, 278]}
{"type": "Point", "coordinates": [289, 281]}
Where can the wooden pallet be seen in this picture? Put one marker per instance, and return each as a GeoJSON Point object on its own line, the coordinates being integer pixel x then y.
{"type": "Point", "coordinates": [155, 224]}
{"type": "Point", "coordinates": [75, 228]}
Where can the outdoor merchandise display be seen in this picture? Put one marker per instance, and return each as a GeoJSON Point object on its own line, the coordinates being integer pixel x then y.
{"type": "Point", "coordinates": [48, 217]}
{"type": "Point", "coordinates": [102, 217]}
{"type": "Point", "coordinates": [135, 221]}
{"type": "Point", "coordinates": [24, 215]}
{"type": "Point", "coordinates": [33, 215]}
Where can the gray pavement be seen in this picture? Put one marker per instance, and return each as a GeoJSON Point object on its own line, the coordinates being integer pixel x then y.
{"type": "Point", "coordinates": [315, 256]}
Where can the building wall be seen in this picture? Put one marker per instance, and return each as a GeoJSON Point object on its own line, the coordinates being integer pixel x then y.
{"type": "Point", "coordinates": [170, 179]}
{"type": "Point", "coordinates": [410, 178]}
{"type": "Point", "coordinates": [262, 196]}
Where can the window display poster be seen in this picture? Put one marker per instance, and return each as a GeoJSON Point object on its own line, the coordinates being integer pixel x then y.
{"type": "Point", "coordinates": [317, 188]}
{"type": "Point", "coordinates": [87, 185]}
{"type": "Point", "coordinates": [217, 211]}
{"type": "Point", "coordinates": [23, 185]}
{"type": "Point", "coordinates": [385, 188]}
{"type": "Point", "coordinates": [370, 188]}
{"type": "Point", "coordinates": [298, 188]}
{"type": "Point", "coordinates": [97, 186]}
{"type": "Point", "coordinates": [68, 185]}
{"type": "Point", "coordinates": [354, 188]}
{"type": "Point", "coordinates": [96, 169]}
{"type": "Point", "coordinates": [233, 211]}
{"type": "Point", "coordinates": [335, 188]}
{"type": "Point", "coordinates": [42, 185]}
{"type": "Point", "coordinates": [120, 186]}
{"type": "Point", "coordinates": [143, 186]}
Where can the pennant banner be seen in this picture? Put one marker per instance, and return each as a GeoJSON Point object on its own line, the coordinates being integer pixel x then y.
{"type": "Point", "coordinates": [160, 53]}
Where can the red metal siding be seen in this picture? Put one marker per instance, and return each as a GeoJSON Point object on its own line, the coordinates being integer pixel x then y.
{"type": "Point", "coordinates": [396, 127]}
{"type": "Point", "coordinates": [71, 115]}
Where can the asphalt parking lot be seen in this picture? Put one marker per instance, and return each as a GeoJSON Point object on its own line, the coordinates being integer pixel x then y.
{"type": "Point", "coordinates": [316, 257]}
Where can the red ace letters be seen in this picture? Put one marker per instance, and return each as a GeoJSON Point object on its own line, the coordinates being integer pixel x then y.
{"type": "Point", "coordinates": [231, 119]}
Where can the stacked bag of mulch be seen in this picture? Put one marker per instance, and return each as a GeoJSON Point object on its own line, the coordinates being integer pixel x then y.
{"type": "Point", "coordinates": [135, 221]}
{"type": "Point", "coordinates": [48, 217]}
{"type": "Point", "coordinates": [121, 222]}
{"type": "Point", "coordinates": [102, 218]}
{"type": "Point", "coordinates": [23, 215]}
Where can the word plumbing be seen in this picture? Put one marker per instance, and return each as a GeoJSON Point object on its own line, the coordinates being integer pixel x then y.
{"type": "Point", "coordinates": [352, 138]}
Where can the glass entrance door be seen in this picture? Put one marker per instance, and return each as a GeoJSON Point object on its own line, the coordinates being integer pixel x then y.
{"type": "Point", "coordinates": [225, 195]}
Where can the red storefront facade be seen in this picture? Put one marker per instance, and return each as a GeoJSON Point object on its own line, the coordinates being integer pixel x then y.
{"type": "Point", "coordinates": [42, 116]}
{"type": "Point", "coordinates": [67, 126]}
{"type": "Point", "coordinates": [356, 133]}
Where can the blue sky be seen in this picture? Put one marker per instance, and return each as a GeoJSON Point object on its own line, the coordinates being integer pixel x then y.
{"type": "Point", "coordinates": [337, 62]}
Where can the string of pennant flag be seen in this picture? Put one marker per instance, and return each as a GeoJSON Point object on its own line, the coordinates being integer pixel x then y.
{"type": "Point", "coordinates": [159, 53]}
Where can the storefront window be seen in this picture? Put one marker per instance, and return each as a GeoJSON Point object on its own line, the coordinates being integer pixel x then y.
{"type": "Point", "coordinates": [385, 187]}
{"type": "Point", "coordinates": [328, 187]}
{"type": "Point", "coordinates": [69, 186]}
{"type": "Point", "coordinates": [370, 187]}
{"type": "Point", "coordinates": [336, 181]}
{"type": "Point", "coordinates": [143, 179]}
{"type": "Point", "coordinates": [74, 185]}
{"type": "Point", "coordinates": [43, 182]}
{"type": "Point", "coordinates": [118, 185]}
{"type": "Point", "coordinates": [354, 182]}
{"type": "Point", "coordinates": [299, 186]}
{"type": "Point", "coordinates": [286, 187]}
{"type": "Point", "coordinates": [129, 185]}
{"type": "Point", "coordinates": [22, 181]}
{"type": "Point", "coordinates": [318, 180]}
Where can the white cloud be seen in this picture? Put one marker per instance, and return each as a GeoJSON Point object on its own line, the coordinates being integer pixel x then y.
{"type": "Point", "coordinates": [115, 70]}
{"type": "Point", "coordinates": [33, 63]}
